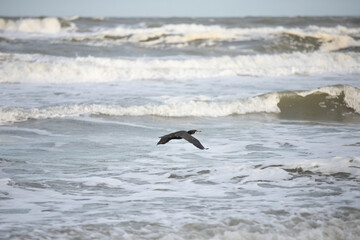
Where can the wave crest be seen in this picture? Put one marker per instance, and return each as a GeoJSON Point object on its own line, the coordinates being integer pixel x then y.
{"type": "Point", "coordinates": [183, 35]}
{"type": "Point", "coordinates": [25, 68]}
{"type": "Point", "coordinates": [332, 103]}
{"type": "Point", "coordinates": [48, 25]}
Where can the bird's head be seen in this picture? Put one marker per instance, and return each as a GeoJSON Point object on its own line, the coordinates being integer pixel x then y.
{"type": "Point", "coordinates": [193, 131]}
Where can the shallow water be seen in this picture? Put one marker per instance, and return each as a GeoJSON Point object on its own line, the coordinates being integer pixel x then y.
{"type": "Point", "coordinates": [80, 118]}
{"type": "Point", "coordinates": [262, 177]}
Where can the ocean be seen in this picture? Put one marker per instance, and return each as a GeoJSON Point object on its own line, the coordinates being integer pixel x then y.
{"type": "Point", "coordinates": [83, 102]}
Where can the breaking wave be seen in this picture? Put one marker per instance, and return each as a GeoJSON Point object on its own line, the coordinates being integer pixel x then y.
{"type": "Point", "coordinates": [331, 103]}
{"type": "Point", "coordinates": [48, 25]}
{"type": "Point", "coordinates": [182, 35]}
{"type": "Point", "coordinates": [27, 68]}
{"type": "Point", "coordinates": [310, 38]}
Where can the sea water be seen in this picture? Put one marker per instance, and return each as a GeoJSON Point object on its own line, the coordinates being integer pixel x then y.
{"type": "Point", "coordinates": [84, 100]}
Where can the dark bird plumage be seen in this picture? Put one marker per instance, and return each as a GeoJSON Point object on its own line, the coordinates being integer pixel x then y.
{"type": "Point", "coordinates": [182, 135]}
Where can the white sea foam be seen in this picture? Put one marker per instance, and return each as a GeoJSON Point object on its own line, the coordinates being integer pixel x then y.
{"type": "Point", "coordinates": [329, 166]}
{"type": "Point", "coordinates": [32, 25]}
{"type": "Point", "coordinates": [98, 181]}
{"type": "Point", "coordinates": [351, 98]}
{"type": "Point", "coordinates": [192, 108]}
{"type": "Point", "coordinates": [174, 33]}
{"type": "Point", "coordinates": [267, 103]}
{"type": "Point", "coordinates": [180, 35]}
{"type": "Point", "coordinates": [331, 39]}
{"type": "Point", "coordinates": [333, 229]}
{"type": "Point", "coordinates": [26, 68]}
{"type": "Point", "coordinates": [260, 179]}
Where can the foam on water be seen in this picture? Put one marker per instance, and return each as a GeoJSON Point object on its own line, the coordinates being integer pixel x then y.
{"type": "Point", "coordinates": [46, 25]}
{"type": "Point", "coordinates": [330, 39]}
{"type": "Point", "coordinates": [192, 108]}
{"type": "Point", "coordinates": [335, 165]}
{"type": "Point", "coordinates": [351, 94]}
{"type": "Point", "coordinates": [80, 119]}
{"type": "Point", "coordinates": [27, 68]}
{"type": "Point", "coordinates": [267, 103]}
{"type": "Point", "coordinates": [181, 35]}
{"type": "Point", "coordinates": [170, 186]}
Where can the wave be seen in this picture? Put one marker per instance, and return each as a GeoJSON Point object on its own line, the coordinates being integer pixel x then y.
{"type": "Point", "coordinates": [332, 103]}
{"type": "Point", "coordinates": [321, 38]}
{"type": "Point", "coordinates": [336, 167]}
{"type": "Point", "coordinates": [182, 35]}
{"type": "Point", "coordinates": [33, 68]}
{"type": "Point", "coordinates": [48, 25]}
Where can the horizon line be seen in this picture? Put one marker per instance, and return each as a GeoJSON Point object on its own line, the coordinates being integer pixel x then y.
{"type": "Point", "coordinates": [244, 16]}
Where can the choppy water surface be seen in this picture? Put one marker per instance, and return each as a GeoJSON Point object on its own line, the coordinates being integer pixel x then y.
{"type": "Point", "coordinates": [83, 102]}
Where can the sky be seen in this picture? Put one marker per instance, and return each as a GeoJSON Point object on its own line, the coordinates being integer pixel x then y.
{"type": "Point", "coordinates": [179, 8]}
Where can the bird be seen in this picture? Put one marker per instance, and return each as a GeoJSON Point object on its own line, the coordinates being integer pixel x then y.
{"type": "Point", "coordinates": [182, 135]}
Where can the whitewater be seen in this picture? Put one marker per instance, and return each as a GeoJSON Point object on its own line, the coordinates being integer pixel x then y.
{"type": "Point", "coordinates": [84, 100]}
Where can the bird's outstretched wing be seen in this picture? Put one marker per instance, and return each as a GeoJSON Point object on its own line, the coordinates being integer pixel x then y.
{"type": "Point", "coordinates": [191, 139]}
{"type": "Point", "coordinates": [164, 139]}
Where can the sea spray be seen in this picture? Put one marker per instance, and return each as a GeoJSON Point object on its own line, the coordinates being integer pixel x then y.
{"type": "Point", "coordinates": [324, 103]}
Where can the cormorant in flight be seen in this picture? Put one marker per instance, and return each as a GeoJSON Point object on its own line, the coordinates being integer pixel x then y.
{"type": "Point", "coordinates": [182, 134]}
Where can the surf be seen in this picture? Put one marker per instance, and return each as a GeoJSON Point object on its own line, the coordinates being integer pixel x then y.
{"type": "Point", "coordinates": [47, 25]}
{"type": "Point", "coordinates": [328, 103]}
{"type": "Point", "coordinates": [35, 68]}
